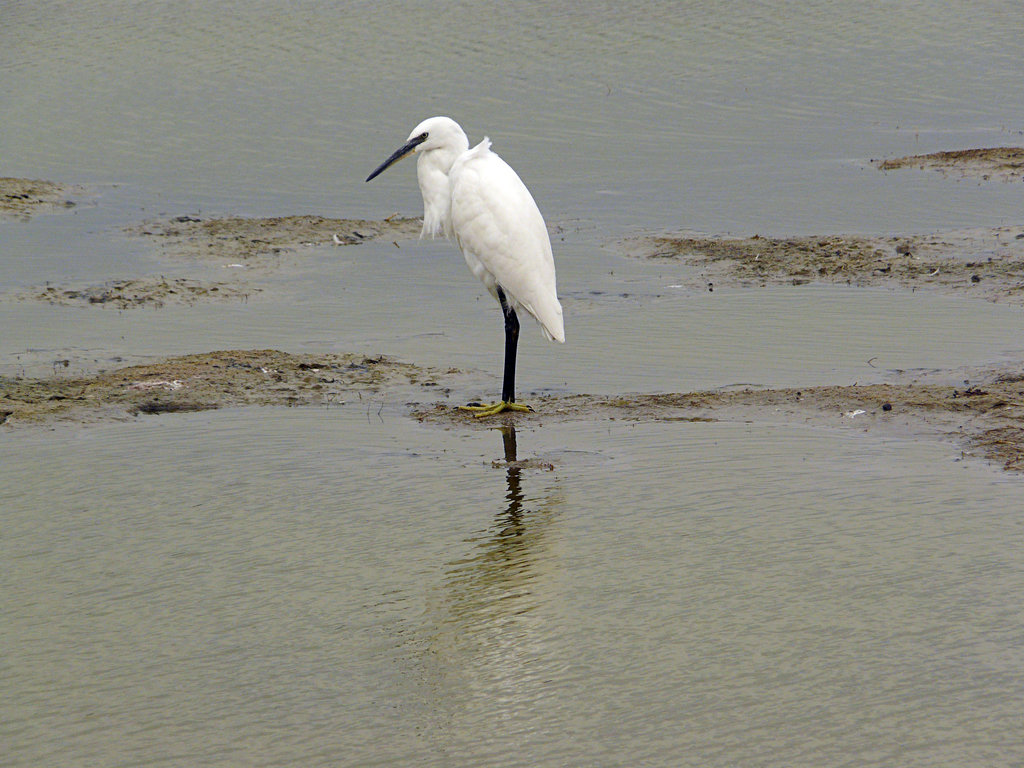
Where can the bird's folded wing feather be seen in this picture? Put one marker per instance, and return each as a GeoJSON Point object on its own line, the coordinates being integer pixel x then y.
{"type": "Point", "coordinates": [497, 224]}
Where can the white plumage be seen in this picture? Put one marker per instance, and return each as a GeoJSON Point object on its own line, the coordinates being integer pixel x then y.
{"type": "Point", "coordinates": [475, 196]}
{"type": "Point", "coordinates": [502, 235]}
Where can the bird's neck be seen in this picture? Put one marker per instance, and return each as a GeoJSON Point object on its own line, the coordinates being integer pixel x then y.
{"type": "Point", "coordinates": [437, 201]}
{"type": "Point", "coordinates": [432, 170]}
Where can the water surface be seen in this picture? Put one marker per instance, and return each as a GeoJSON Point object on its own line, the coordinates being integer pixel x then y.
{"type": "Point", "coordinates": [345, 587]}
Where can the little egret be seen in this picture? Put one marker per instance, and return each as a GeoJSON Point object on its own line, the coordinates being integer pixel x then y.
{"type": "Point", "coordinates": [475, 196]}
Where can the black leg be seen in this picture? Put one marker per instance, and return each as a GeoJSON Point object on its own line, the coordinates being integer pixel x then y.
{"type": "Point", "coordinates": [508, 384]}
{"type": "Point", "coordinates": [511, 342]}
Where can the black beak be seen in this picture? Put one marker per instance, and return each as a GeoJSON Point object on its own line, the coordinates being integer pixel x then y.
{"type": "Point", "coordinates": [399, 153]}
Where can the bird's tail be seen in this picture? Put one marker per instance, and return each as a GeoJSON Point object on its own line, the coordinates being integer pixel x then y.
{"type": "Point", "coordinates": [551, 325]}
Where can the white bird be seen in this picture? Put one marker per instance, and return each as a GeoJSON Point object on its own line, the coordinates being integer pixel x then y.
{"type": "Point", "coordinates": [475, 196]}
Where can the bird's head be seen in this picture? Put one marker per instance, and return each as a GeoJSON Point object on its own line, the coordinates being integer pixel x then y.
{"type": "Point", "coordinates": [436, 134]}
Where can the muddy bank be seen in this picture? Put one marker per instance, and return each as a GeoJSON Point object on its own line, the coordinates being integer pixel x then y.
{"type": "Point", "coordinates": [24, 197]}
{"type": "Point", "coordinates": [207, 381]}
{"type": "Point", "coordinates": [981, 411]}
{"type": "Point", "coordinates": [260, 242]}
{"type": "Point", "coordinates": [982, 416]}
{"type": "Point", "coordinates": [1000, 163]}
{"type": "Point", "coordinates": [142, 292]}
{"type": "Point", "coordinates": [981, 263]}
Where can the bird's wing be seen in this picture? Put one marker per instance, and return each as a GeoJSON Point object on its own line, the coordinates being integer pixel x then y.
{"type": "Point", "coordinates": [502, 234]}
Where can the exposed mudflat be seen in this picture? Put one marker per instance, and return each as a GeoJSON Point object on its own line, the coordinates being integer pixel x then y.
{"type": "Point", "coordinates": [259, 242]}
{"type": "Point", "coordinates": [980, 410]}
{"type": "Point", "coordinates": [207, 381]}
{"type": "Point", "coordinates": [981, 263]}
{"type": "Point", "coordinates": [999, 163]}
{"type": "Point", "coordinates": [982, 414]}
{"type": "Point", "coordinates": [24, 197]}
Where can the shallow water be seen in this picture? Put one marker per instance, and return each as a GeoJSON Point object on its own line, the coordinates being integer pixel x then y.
{"type": "Point", "coordinates": [721, 117]}
{"type": "Point", "coordinates": [646, 594]}
{"type": "Point", "coordinates": [343, 586]}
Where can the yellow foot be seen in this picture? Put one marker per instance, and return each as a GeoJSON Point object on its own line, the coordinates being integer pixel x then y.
{"type": "Point", "coordinates": [481, 411]}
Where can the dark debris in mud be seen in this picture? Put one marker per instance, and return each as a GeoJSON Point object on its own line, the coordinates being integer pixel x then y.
{"type": "Point", "coordinates": [23, 197]}
{"type": "Point", "coordinates": [207, 381]}
{"type": "Point", "coordinates": [142, 292]}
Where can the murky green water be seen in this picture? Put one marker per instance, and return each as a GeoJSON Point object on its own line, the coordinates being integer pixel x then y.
{"type": "Point", "coordinates": [345, 587]}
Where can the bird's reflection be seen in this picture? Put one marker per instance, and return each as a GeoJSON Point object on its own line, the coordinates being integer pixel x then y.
{"type": "Point", "coordinates": [512, 551]}
{"type": "Point", "coordinates": [489, 642]}
{"type": "Point", "coordinates": [514, 497]}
